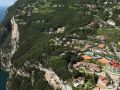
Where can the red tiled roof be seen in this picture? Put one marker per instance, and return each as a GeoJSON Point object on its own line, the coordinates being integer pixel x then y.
{"type": "Point", "coordinates": [104, 80]}
{"type": "Point", "coordinates": [115, 64]}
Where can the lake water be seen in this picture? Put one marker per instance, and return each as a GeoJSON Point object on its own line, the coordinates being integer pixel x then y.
{"type": "Point", "coordinates": [3, 74]}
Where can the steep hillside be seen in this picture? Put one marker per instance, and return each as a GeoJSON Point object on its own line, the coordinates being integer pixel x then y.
{"type": "Point", "coordinates": [45, 30]}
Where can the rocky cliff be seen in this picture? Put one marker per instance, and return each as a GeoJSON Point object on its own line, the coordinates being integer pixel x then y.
{"type": "Point", "coordinates": [6, 54]}
{"type": "Point", "coordinates": [6, 63]}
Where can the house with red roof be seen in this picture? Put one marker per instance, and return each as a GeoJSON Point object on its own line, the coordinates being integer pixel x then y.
{"type": "Point", "coordinates": [113, 67]}
{"type": "Point", "coordinates": [103, 80]}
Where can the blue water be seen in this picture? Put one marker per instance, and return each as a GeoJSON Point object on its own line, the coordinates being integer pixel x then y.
{"type": "Point", "coordinates": [3, 74]}
{"type": "Point", "coordinates": [2, 12]}
{"type": "Point", "coordinates": [3, 79]}
{"type": "Point", "coordinates": [3, 8]}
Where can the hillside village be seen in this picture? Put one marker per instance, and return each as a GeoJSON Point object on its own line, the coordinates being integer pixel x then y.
{"type": "Point", "coordinates": [97, 64]}
{"type": "Point", "coordinates": [98, 61]}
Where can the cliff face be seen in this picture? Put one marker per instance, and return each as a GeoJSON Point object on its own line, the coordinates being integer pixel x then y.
{"type": "Point", "coordinates": [6, 64]}
{"type": "Point", "coordinates": [14, 36]}
{"type": "Point", "coordinates": [55, 81]}
{"type": "Point", "coordinates": [51, 77]}
{"type": "Point", "coordinates": [6, 54]}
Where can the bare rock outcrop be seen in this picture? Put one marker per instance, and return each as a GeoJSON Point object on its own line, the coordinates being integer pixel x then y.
{"type": "Point", "coordinates": [7, 53]}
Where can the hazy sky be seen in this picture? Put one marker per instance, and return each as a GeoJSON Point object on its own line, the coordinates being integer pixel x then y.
{"type": "Point", "coordinates": [4, 3]}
